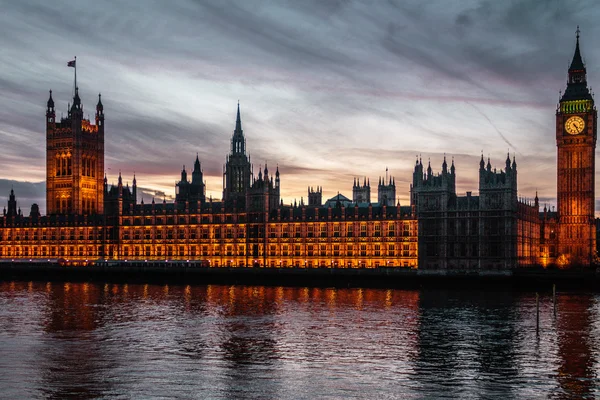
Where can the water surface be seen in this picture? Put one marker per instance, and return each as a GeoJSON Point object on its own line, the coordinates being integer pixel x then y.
{"type": "Point", "coordinates": [84, 340]}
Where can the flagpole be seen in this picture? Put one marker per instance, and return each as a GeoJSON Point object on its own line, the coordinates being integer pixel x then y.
{"type": "Point", "coordinates": [75, 88]}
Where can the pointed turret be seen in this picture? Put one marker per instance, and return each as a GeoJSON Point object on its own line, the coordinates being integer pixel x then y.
{"type": "Point", "coordinates": [197, 164]}
{"type": "Point", "coordinates": [482, 163]}
{"type": "Point", "coordinates": [12, 204]}
{"type": "Point", "coordinates": [134, 189]}
{"type": "Point", "coordinates": [444, 165]}
{"type": "Point", "coordinates": [452, 169]}
{"type": "Point", "coordinates": [507, 162]}
{"type": "Point", "coordinates": [183, 175]}
{"type": "Point", "coordinates": [50, 113]}
{"type": "Point", "coordinates": [99, 106]}
{"type": "Point", "coordinates": [50, 103]}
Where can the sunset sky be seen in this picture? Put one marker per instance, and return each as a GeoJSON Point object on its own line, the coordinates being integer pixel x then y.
{"type": "Point", "coordinates": [328, 90]}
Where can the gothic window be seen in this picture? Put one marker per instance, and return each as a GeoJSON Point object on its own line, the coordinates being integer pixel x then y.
{"type": "Point", "coordinates": [68, 165]}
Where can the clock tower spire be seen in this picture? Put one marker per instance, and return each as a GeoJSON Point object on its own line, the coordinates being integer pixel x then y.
{"type": "Point", "coordinates": [576, 132]}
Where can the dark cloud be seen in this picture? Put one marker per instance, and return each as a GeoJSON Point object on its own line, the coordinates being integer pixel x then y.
{"type": "Point", "coordinates": [329, 89]}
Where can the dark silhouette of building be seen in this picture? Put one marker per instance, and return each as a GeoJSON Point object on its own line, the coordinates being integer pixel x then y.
{"type": "Point", "coordinates": [191, 191]}
{"type": "Point", "coordinates": [237, 170]}
{"type": "Point", "coordinates": [386, 190]}
{"type": "Point", "coordinates": [361, 194]}
{"type": "Point", "coordinates": [315, 197]}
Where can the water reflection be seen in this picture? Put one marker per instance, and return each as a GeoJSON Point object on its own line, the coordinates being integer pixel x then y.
{"type": "Point", "coordinates": [577, 350]}
{"type": "Point", "coordinates": [84, 340]}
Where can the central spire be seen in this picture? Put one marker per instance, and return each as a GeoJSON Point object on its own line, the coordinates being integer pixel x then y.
{"type": "Point", "coordinates": [238, 121]}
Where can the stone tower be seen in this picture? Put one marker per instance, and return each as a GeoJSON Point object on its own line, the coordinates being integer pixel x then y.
{"type": "Point", "coordinates": [576, 123]}
{"type": "Point", "coordinates": [236, 174]}
{"type": "Point", "coordinates": [315, 197]}
{"type": "Point", "coordinates": [361, 194]}
{"type": "Point", "coordinates": [386, 190]}
{"type": "Point", "coordinates": [74, 160]}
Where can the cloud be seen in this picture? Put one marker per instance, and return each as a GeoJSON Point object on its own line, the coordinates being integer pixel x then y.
{"type": "Point", "coordinates": [329, 90]}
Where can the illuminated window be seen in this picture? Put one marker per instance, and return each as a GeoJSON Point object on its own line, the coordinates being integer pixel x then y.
{"type": "Point", "coordinates": [323, 230]}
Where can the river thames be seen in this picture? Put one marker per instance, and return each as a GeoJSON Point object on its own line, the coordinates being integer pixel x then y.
{"type": "Point", "coordinates": [87, 340]}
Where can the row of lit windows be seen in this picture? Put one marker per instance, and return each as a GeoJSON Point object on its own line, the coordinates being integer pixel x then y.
{"type": "Point", "coordinates": [49, 234]}
{"type": "Point", "coordinates": [49, 251]}
{"type": "Point", "coordinates": [376, 250]}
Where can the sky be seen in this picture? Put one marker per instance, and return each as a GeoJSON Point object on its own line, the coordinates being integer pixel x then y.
{"type": "Point", "coordinates": [328, 90]}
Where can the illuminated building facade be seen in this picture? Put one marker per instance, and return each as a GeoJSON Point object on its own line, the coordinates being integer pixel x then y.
{"type": "Point", "coordinates": [74, 160]}
{"type": "Point", "coordinates": [576, 132]}
{"type": "Point", "coordinates": [493, 230]}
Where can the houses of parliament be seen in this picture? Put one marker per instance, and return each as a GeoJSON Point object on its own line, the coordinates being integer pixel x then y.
{"type": "Point", "coordinates": [492, 230]}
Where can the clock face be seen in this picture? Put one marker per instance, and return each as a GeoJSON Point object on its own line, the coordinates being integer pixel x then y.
{"type": "Point", "coordinates": [574, 125]}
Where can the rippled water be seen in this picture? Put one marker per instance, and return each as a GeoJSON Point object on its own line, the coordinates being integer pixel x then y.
{"type": "Point", "coordinates": [78, 340]}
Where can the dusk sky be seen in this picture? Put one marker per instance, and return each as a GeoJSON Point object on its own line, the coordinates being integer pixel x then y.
{"type": "Point", "coordinates": [328, 90]}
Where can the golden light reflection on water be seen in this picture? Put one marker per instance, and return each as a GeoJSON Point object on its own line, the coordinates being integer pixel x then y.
{"type": "Point", "coordinates": [364, 338]}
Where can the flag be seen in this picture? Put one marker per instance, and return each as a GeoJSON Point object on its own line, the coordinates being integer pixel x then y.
{"type": "Point", "coordinates": [71, 63]}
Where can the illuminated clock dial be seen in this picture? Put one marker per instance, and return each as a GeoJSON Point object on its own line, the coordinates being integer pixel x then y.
{"type": "Point", "coordinates": [574, 125]}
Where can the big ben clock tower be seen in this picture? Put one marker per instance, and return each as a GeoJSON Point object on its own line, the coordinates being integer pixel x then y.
{"type": "Point", "coordinates": [576, 123]}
